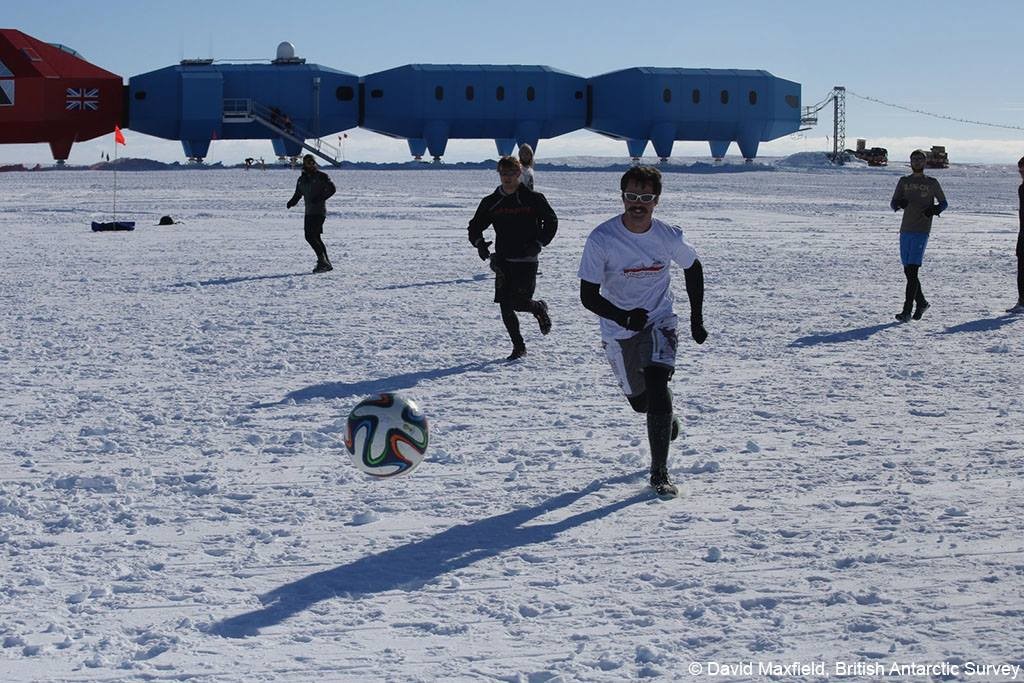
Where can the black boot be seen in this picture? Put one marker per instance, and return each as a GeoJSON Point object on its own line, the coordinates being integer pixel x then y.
{"type": "Point", "coordinates": [659, 434]}
{"type": "Point", "coordinates": [540, 312]}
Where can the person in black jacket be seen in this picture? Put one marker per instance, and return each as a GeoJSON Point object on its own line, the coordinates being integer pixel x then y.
{"type": "Point", "coordinates": [316, 188]}
{"type": "Point", "coordinates": [524, 223]}
{"type": "Point", "coordinates": [1019, 306]}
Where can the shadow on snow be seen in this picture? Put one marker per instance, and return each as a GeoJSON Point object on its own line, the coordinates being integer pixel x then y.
{"type": "Point", "coordinates": [415, 564]}
{"type": "Point", "coordinates": [406, 380]}
{"type": "Point", "coordinates": [983, 325]}
{"type": "Point", "coordinates": [236, 280]}
{"type": "Point", "coordinates": [480, 277]}
{"type": "Point", "coordinates": [860, 334]}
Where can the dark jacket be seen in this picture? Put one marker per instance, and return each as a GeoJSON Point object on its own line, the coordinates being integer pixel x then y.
{"type": "Point", "coordinates": [523, 222]}
{"type": "Point", "coordinates": [1020, 206]}
{"type": "Point", "coordinates": [315, 188]}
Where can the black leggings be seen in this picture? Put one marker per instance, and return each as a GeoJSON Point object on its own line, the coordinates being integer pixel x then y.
{"type": "Point", "coordinates": [319, 248]}
{"type": "Point", "coordinates": [511, 320]}
{"type": "Point", "coordinates": [913, 292]}
{"type": "Point", "coordinates": [314, 227]}
{"type": "Point", "coordinates": [656, 398]}
{"type": "Point", "coordinates": [1020, 266]}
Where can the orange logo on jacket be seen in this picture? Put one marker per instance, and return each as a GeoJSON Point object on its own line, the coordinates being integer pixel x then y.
{"type": "Point", "coordinates": [512, 210]}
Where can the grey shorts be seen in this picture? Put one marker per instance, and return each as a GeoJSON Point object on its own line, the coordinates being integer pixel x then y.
{"type": "Point", "coordinates": [654, 345]}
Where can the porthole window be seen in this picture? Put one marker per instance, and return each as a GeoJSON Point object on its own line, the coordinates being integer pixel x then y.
{"type": "Point", "coordinates": [666, 95]}
{"type": "Point", "coordinates": [470, 93]}
{"type": "Point", "coordinates": [376, 93]}
{"type": "Point", "coordinates": [345, 93]}
{"type": "Point", "coordinates": [439, 93]}
{"type": "Point", "coordinates": [531, 94]}
{"type": "Point", "coordinates": [499, 94]}
{"type": "Point", "coordinates": [752, 97]}
{"type": "Point", "coordinates": [140, 94]}
{"type": "Point", "coordinates": [579, 94]}
{"type": "Point", "coordinates": [695, 96]}
{"type": "Point", "coordinates": [724, 97]}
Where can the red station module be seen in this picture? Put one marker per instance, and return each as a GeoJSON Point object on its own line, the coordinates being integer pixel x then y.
{"type": "Point", "coordinates": [48, 93]}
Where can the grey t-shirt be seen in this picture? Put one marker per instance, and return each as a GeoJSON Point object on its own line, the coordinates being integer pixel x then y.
{"type": "Point", "coordinates": [920, 191]}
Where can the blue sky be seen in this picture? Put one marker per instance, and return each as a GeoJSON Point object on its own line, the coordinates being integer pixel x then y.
{"type": "Point", "coordinates": [954, 58]}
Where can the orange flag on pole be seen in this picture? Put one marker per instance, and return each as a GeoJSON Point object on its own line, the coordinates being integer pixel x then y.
{"type": "Point", "coordinates": [119, 136]}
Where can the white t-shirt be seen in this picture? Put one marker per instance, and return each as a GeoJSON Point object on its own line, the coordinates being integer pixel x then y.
{"type": "Point", "coordinates": [633, 269]}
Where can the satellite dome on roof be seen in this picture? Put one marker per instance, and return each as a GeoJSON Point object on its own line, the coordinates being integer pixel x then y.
{"type": "Point", "coordinates": [286, 54]}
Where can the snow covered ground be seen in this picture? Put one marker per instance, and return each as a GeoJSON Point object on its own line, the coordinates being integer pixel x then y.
{"type": "Point", "coordinates": [176, 502]}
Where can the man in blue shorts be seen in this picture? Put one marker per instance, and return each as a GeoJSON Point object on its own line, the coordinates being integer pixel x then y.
{"type": "Point", "coordinates": [1019, 306]}
{"type": "Point", "coordinates": [921, 198]}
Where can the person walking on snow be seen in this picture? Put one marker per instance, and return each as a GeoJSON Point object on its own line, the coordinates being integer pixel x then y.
{"type": "Point", "coordinates": [625, 279]}
{"type": "Point", "coordinates": [916, 194]}
{"type": "Point", "coordinates": [524, 223]}
{"type": "Point", "coordinates": [315, 187]}
{"type": "Point", "coordinates": [526, 160]}
{"type": "Point", "coordinates": [1019, 307]}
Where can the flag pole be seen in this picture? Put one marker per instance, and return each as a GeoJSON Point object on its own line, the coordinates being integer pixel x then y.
{"type": "Point", "coordinates": [115, 176]}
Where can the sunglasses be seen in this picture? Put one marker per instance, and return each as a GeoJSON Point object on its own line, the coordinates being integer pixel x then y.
{"type": "Point", "coordinates": [509, 174]}
{"type": "Point", "coordinates": [643, 198]}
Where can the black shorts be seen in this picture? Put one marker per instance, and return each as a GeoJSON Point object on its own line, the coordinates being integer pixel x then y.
{"type": "Point", "coordinates": [314, 225]}
{"type": "Point", "coordinates": [514, 281]}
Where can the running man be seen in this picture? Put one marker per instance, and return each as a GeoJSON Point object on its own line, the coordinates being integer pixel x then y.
{"type": "Point", "coordinates": [315, 187]}
{"type": "Point", "coordinates": [917, 195]}
{"type": "Point", "coordinates": [625, 279]}
{"type": "Point", "coordinates": [524, 223]}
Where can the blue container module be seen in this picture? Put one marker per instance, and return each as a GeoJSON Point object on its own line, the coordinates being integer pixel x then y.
{"type": "Point", "coordinates": [429, 104]}
{"type": "Point", "coordinates": [286, 101]}
{"type": "Point", "coordinates": [721, 106]}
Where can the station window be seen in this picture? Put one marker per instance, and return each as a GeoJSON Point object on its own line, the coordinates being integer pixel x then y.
{"type": "Point", "coordinates": [140, 94]}
{"type": "Point", "coordinates": [376, 93]}
{"type": "Point", "coordinates": [579, 94]}
{"type": "Point", "coordinates": [345, 93]}
{"type": "Point", "coordinates": [724, 96]}
{"type": "Point", "coordinates": [666, 95]}
{"type": "Point", "coordinates": [752, 97]}
{"type": "Point", "coordinates": [439, 93]}
{"type": "Point", "coordinates": [470, 93]}
{"type": "Point", "coordinates": [793, 101]}
{"type": "Point", "coordinates": [695, 96]}
{"type": "Point", "coordinates": [531, 94]}
{"type": "Point", "coordinates": [499, 94]}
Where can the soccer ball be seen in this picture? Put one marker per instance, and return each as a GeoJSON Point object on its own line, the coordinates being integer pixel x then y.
{"type": "Point", "coordinates": [386, 435]}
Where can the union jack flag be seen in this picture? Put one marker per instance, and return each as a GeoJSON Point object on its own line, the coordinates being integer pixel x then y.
{"type": "Point", "coordinates": [82, 99]}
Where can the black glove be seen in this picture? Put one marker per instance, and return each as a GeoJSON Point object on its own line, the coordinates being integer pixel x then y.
{"type": "Point", "coordinates": [932, 211]}
{"type": "Point", "coordinates": [482, 249]}
{"type": "Point", "coordinates": [697, 330]}
{"type": "Point", "coordinates": [290, 204]}
{"type": "Point", "coordinates": [634, 320]}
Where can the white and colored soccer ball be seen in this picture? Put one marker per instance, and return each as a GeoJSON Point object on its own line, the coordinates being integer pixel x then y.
{"type": "Point", "coordinates": [386, 435]}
